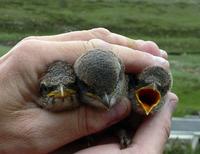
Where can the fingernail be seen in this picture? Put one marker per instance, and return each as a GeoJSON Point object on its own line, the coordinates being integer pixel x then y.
{"type": "Point", "coordinates": [163, 54]}
{"type": "Point", "coordinates": [172, 105]}
{"type": "Point", "coordinates": [161, 61]}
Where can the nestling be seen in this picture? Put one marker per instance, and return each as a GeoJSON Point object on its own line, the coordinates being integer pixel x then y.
{"type": "Point", "coordinates": [98, 79]}
{"type": "Point", "coordinates": [101, 78]}
{"type": "Point", "coordinates": [58, 87]}
{"type": "Point", "coordinates": [147, 92]}
{"type": "Point", "coordinates": [150, 87]}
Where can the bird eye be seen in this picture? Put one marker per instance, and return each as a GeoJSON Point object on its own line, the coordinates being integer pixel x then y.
{"type": "Point", "coordinates": [43, 88]}
{"type": "Point", "coordinates": [46, 88]}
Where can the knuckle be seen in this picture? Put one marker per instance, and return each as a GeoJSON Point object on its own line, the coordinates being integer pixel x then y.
{"type": "Point", "coordinates": [29, 38]}
{"type": "Point", "coordinates": [151, 45]}
{"type": "Point", "coordinates": [98, 43]}
{"type": "Point", "coordinates": [167, 65]}
{"type": "Point", "coordinates": [167, 131]}
{"type": "Point", "coordinates": [166, 126]}
{"type": "Point", "coordinates": [101, 32]}
{"type": "Point", "coordinates": [23, 51]}
{"type": "Point", "coordinates": [25, 45]}
{"type": "Point", "coordinates": [174, 97]}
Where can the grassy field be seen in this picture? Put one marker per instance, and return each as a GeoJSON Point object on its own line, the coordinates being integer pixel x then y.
{"type": "Point", "coordinates": [180, 147]}
{"type": "Point", "coordinates": [186, 73]}
{"type": "Point", "coordinates": [174, 25]}
{"type": "Point", "coordinates": [3, 49]}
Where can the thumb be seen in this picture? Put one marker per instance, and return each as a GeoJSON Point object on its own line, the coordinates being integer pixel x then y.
{"type": "Point", "coordinates": [98, 120]}
{"type": "Point", "coordinates": [62, 128]}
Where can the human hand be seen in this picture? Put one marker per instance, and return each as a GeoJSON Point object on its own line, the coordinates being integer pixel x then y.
{"type": "Point", "coordinates": [26, 128]}
{"type": "Point", "coordinates": [150, 137]}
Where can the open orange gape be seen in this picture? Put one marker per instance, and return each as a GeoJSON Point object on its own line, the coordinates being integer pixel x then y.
{"type": "Point", "coordinates": [148, 97]}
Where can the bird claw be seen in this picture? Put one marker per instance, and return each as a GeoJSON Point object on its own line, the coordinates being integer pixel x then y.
{"type": "Point", "coordinates": [125, 141]}
{"type": "Point", "coordinates": [125, 138]}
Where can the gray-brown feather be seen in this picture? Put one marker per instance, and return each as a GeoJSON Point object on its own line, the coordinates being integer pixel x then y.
{"type": "Point", "coordinates": [154, 74]}
{"type": "Point", "coordinates": [158, 75]}
{"type": "Point", "coordinates": [100, 70]}
{"type": "Point", "coordinates": [59, 72]}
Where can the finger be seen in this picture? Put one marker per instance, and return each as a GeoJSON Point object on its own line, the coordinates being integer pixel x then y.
{"type": "Point", "coordinates": [154, 132]}
{"type": "Point", "coordinates": [106, 35]}
{"type": "Point", "coordinates": [48, 131]}
{"type": "Point", "coordinates": [135, 61]}
{"type": "Point", "coordinates": [45, 52]}
{"type": "Point", "coordinates": [105, 149]}
{"type": "Point", "coordinates": [150, 47]}
{"type": "Point", "coordinates": [164, 54]}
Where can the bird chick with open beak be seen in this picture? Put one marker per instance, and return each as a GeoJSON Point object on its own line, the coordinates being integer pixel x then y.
{"type": "Point", "coordinates": [101, 78]}
{"type": "Point", "coordinates": [147, 92]}
{"type": "Point", "coordinates": [58, 87]}
{"type": "Point", "coordinates": [150, 87]}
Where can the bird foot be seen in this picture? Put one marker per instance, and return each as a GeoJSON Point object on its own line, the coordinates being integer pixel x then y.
{"type": "Point", "coordinates": [125, 139]}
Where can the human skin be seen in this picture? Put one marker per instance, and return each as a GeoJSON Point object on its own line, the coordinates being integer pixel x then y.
{"type": "Point", "coordinates": [26, 128]}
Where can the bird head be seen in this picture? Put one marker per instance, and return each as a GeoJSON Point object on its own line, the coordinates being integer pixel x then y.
{"type": "Point", "coordinates": [59, 81]}
{"type": "Point", "coordinates": [148, 97]}
{"type": "Point", "coordinates": [98, 74]}
{"type": "Point", "coordinates": [152, 84]}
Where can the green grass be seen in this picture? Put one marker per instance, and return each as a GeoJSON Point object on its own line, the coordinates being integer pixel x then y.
{"type": "Point", "coordinates": [173, 24]}
{"type": "Point", "coordinates": [3, 49]}
{"type": "Point", "coordinates": [186, 72]}
{"type": "Point", "coordinates": [180, 147]}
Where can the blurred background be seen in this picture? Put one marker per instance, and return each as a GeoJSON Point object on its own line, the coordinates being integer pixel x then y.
{"type": "Point", "coordinates": [173, 24]}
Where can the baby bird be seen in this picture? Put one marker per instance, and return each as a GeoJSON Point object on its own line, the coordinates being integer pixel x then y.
{"type": "Point", "coordinates": [101, 78]}
{"type": "Point", "coordinates": [58, 87]}
{"type": "Point", "coordinates": [98, 79]}
{"type": "Point", "coordinates": [149, 88]}
{"type": "Point", "coordinates": [147, 92]}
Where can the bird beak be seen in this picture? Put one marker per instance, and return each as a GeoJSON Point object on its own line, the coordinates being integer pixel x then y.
{"type": "Point", "coordinates": [62, 92]}
{"type": "Point", "coordinates": [105, 102]}
{"type": "Point", "coordinates": [148, 97]}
